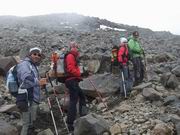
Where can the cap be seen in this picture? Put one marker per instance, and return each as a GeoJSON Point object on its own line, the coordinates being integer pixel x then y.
{"type": "Point", "coordinates": [36, 50]}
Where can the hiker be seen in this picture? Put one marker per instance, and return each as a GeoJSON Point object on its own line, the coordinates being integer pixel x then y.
{"type": "Point", "coordinates": [136, 57]}
{"type": "Point", "coordinates": [72, 83]}
{"type": "Point", "coordinates": [123, 64]}
{"type": "Point", "coordinates": [28, 96]}
{"type": "Point", "coordinates": [114, 59]}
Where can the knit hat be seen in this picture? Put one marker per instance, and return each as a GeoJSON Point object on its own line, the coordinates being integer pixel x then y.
{"type": "Point", "coordinates": [123, 40]}
{"type": "Point", "coordinates": [135, 33]}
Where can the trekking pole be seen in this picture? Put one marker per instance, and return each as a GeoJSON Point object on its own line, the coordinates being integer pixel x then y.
{"type": "Point", "coordinates": [124, 86]}
{"type": "Point", "coordinates": [50, 108]}
{"type": "Point", "coordinates": [145, 63]}
{"type": "Point", "coordinates": [97, 92]}
{"type": "Point", "coordinates": [145, 66]}
{"type": "Point", "coordinates": [59, 106]}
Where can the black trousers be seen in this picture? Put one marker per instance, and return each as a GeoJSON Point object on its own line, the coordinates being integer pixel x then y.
{"type": "Point", "coordinates": [76, 94]}
{"type": "Point", "coordinates": [138, 69]}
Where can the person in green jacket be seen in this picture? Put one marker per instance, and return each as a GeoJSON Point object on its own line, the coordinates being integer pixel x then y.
{"type": "Point", "coordinates": [136, 57]}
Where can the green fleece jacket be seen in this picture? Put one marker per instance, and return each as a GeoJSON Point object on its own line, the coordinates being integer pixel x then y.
{"type": "Point", "coordinates": [135, 48]}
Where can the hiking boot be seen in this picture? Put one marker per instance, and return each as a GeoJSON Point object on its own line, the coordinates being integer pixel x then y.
{"type": "Point", "coordinates": [136, 83]}
{"type": "Point", "coordinates": [71, 133]}
{"type": "Point", "coordinates": [71, 128]}
{"type": "Point", "coordinates": [84, 111]}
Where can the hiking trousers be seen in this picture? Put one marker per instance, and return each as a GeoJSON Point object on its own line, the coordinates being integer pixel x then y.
{"type": "Point", "coordinates": [127, 79]}
{"type": "Point", "coordinates": [28, 118]}
{"type": "Point", "coordinates": [76, 94]}
{"type": "Point", "coordinates": [138, 69]}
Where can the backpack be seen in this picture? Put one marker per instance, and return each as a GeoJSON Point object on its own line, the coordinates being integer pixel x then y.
{"type": "Point", "coordinates": [58, 67]}
{"type": "Point", "coordinates": [130, 53]}
{"type": "Point", "coordinates": [65, 75]}
{"type": "Point", "coordinates": [12, 81]}
{"type": "Point", "coordinates": [114, 55]}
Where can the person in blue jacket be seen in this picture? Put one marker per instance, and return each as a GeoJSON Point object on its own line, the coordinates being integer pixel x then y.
{"type": "Point", "coordinates": [29, 80]}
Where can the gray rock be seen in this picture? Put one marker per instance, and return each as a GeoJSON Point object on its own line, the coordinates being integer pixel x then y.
{"type": "Point", "coordinates": [46, 132]}
{"type": "Point", "coordinates": [162, 129]}
{"type": "Point", "coordinates": [105, 84]}
{"type": "Point", "coordinates": [90, 124]}
{"type": "Point", "coordinates": [151, 94]}
{"type": "Point", "coordinates": [172, 82]}
{"type": "Point", "coordinates": [7, 129]}
{"type": "Point", "coordinates": [142, 86]}
{"type": "Point", "coordinates": [170, 100]}
{"type": "Point", "coordinates": [177, 128]}
{"type": "Point", "coordinates": [176, 71]}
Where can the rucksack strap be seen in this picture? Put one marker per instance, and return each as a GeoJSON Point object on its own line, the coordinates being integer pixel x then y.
{"type": "Point", "coordinates": [14, 72]}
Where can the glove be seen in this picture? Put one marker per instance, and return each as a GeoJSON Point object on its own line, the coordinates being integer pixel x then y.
{"type": "Point", "coordinates": [42, 81]}
{"type": "Point", "coordinates": [85, 74]}
{"type": "Point", "coordinates": [120, 65]}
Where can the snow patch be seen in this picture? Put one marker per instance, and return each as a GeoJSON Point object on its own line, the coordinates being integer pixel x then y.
{"type": "Point", "coordinates": [104, 27]}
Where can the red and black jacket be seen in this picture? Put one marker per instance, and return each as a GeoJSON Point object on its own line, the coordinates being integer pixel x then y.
{"type": "Point", "coordinates": [72, 69]}
{"type": "Point", "coordinates": [123, 54]}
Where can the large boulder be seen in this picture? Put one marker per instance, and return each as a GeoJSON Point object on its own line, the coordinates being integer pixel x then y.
{"type": "Point", "coordinates": [162, 129]}
{"type": "Point", "coordinates": [172, 82]}
{"type": "Point", "coordinates": [105, 84]}
{"type": "Point", "coordinates": [151, 94]}
{"type": "Point", "coordinates": [90, 124]}
{"type": "Point", "coordinates": [6, 63]}
{"type": "Point", "coordinates": [163, 57]}
{"type": "Point", "coordinates": [93, 65]}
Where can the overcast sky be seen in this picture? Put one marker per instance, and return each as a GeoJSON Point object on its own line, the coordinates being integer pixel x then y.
{"type": "Point", "coordinates": [163, 15]}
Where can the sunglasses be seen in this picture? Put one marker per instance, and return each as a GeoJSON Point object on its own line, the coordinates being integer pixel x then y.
{"type": "Point", "coordinates": [37, 54]}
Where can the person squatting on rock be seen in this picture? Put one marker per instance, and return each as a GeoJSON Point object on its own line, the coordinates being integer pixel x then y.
{"type": "Point", "coordinates": [28, 96]}
{"type": "Point", "coordinates": [72, 83]}
{"type": "Point", "coordinates": [136, 57]}
{"type": "Point", "coordinates": [123, 64]}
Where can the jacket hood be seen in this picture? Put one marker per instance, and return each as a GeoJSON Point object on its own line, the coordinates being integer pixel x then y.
{"type": "Point", "coordinates": [75, 52]}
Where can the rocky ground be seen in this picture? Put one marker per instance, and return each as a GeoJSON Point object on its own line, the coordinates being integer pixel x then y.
{"type": "Point", "coordinates": [152, 108]}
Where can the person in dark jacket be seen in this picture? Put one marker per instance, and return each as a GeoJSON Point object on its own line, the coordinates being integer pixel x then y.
{"type": "Point", "coordinates": [28, 96]}
{"type": "Point", "coordinates": [123, 58]}
{"type": "Point", "coordinates": [72, 83]}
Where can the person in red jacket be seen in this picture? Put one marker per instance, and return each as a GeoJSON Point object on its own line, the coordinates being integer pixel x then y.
{"type": "Point", "coordinates": [123, 64]}
{"type": "Point", "coordinates": [123, 52]}
{"type": "Point", "coordinates": [72, 83]}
